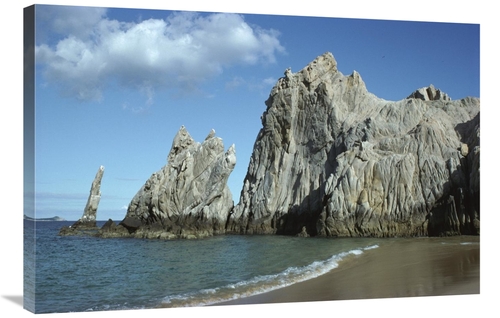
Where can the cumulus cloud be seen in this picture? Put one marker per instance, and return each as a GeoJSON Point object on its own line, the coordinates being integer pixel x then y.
{"type": "Point", "coordinates": [178, 52]}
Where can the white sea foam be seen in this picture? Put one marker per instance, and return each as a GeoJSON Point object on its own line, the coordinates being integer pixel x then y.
{"type": "Point", "coordinates": [261, 284]}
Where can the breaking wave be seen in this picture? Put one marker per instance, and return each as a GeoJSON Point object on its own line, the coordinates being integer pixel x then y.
{"type": "Point", "coordinates": [260, 284]}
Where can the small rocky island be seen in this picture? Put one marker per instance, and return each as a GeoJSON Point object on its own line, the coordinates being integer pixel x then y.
{"type": "Point", "coordinates": [187, 198]}
{"type": "Point", "coordinates": [331, 160]}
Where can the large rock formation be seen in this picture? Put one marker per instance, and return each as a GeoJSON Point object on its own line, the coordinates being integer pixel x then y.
{"type": "Point", "coordinates": [339, 161]}
{"type": "Point", "coordinates": [187, 198]}
{"type": "Point", "coordinates": [88, 220]}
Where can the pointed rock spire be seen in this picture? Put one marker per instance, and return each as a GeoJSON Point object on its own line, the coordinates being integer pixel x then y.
{"type": "Point", "coordinates": [88, 219]}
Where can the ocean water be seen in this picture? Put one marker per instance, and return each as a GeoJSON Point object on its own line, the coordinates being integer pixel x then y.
{"type": "Point", "coordinates": [74, 274]}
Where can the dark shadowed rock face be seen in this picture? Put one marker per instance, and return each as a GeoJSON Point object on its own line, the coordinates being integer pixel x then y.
{"type": "Point", "coordinates": [111, 229]}
{"type": "Point", "coordinates": [339, 161]}
{"type": "Point", "coordinates": [88, 220]}
{"type": "Point", "coordinates": [188, 197]}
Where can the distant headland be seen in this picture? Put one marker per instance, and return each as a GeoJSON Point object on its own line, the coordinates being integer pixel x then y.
{"type": "Point", "coordinates": [55, 218]}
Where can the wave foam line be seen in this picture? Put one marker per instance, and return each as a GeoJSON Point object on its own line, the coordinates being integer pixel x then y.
{"type": "Point", "coordinates": [260, 284]}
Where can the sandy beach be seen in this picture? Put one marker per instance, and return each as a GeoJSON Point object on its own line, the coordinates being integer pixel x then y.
{"type": "Point", "coordinates": [398, 268]}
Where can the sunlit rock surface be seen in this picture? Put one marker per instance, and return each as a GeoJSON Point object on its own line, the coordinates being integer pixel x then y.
{"type": "Point", "coordinates": [187, 198]}
{"type": "Point", "coordinates": [333, 159]}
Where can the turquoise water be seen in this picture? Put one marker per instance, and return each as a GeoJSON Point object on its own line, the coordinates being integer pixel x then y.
{"type": "Point", "coordinates": [75, 274]}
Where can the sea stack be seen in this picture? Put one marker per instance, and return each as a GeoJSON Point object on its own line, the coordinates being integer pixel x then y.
{"type": "Point", "coordinates": [88, 219]}
{"type": "Point", "coordinates": [334, 160]}
{"type": "Point", "coordinates": [187, 198]}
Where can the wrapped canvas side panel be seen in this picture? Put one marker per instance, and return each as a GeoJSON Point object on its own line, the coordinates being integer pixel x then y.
{"type": "Point", "coordinates": [29, 158]}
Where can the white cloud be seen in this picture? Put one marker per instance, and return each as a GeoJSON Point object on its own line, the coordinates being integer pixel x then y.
{"type": "Point", "coordinates": [177, 53]}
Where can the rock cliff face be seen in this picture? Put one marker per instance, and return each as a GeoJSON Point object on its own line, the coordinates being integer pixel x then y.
{"type": "Point", "coordinates": [187, 198]}
{"type": "Point", "coordinates": [88, 219]}
{"type": "Point", "coordinates": [332, 159]}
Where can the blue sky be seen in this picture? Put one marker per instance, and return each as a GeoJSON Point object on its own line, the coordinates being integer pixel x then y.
{"type": "Point", "coordinates": [113, 86]}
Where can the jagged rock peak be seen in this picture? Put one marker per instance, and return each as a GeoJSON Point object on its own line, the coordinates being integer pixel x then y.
{"type": "Point", "coordinates": [323, 66]}
{"type": "Point", "coordinates": [429, 93]}
{"type": "Point", "coordinates": [182, 140]}
{"type": "Point", "coordinates": [211, 134]}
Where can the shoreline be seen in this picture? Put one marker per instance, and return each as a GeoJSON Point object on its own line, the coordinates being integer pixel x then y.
{"type": "Point", "coordinates": [397, 268]}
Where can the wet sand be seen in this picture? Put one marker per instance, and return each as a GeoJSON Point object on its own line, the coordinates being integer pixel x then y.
{"type": "Point", "coordinates": [398, 268]}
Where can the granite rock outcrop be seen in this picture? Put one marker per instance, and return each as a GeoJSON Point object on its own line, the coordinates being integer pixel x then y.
{"type": "Point", "coordinates": [187, 198]}
{"type": "Point", "coordinates": [332, 159]}
{"type": "Point", "coordinates": [88, 220]}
